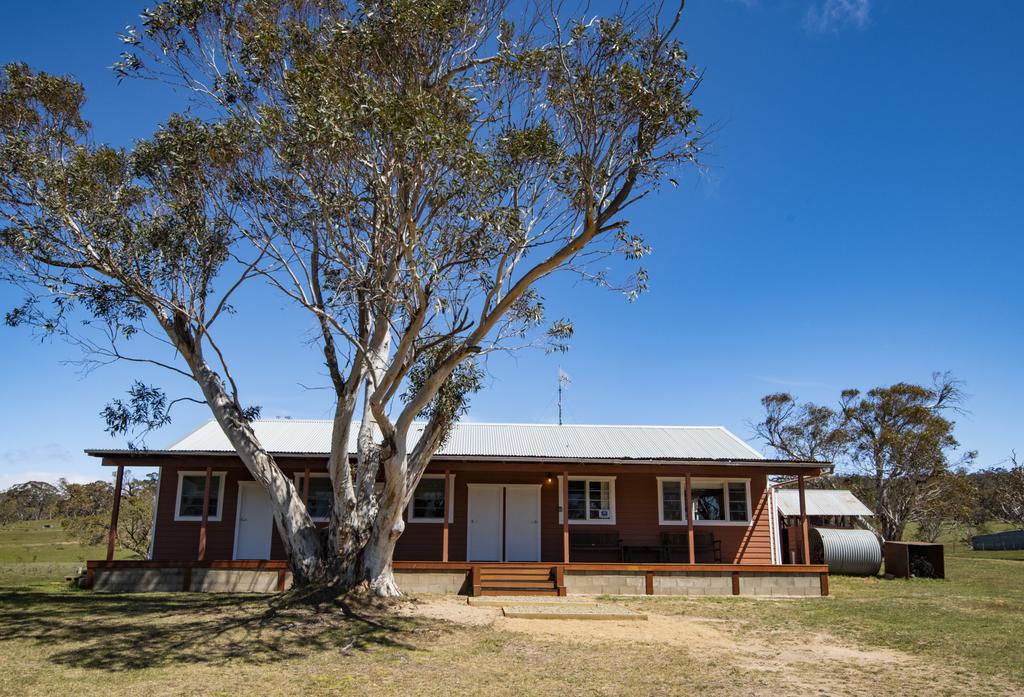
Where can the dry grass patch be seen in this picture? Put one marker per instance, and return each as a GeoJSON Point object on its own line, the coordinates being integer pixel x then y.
{"type": "Point", "coordinates": [723, 655]}
{"type": "Point", "coordinates": [958, 637]}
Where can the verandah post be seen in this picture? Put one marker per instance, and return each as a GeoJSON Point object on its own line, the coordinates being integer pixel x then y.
{"type": "Point", "coordinates": [689, 520]}
{"type": "Point", "coordinates": [803, 521]}
{"type": "Point", "coordinates": [305, 487]}
{"type": "Point", "coordinates": [114, 513]}
{"type": "Point", "coordinates": [206, 514]}
{"type": "Point", "coordinates": [565, 517]}
{"type": "Point", "coordinates": [444, 528]}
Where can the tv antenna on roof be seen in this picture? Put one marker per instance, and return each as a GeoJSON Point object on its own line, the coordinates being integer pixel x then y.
{"type": "Point", "coordinates": [563, 382]}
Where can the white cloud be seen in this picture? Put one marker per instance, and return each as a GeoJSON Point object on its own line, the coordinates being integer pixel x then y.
{"type": "Point", "coordinates": [833, 15]}
{"type": "Point", "coordinates": [51, 452]}
{"type": "Point", "coordinates": [47, 463]}
{"type": "Point", "coordinates": [9, 479]}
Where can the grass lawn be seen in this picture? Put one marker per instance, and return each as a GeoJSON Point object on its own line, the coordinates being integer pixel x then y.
{"type": "Point", "coordinates": [31, 551]}
{"type": "Point", "coordinates": [959, 636]}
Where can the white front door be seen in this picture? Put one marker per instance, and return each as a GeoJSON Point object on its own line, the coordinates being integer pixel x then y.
{"type": "Point", "coordinates": [255, 522]}
{"type": "Point", "coordinates": [485, 504]}
{"type": "Point", "coordinates": [522, 522]}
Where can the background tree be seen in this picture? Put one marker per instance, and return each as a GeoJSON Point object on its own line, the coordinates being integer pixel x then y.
{"type": "Point", "coordinates": [801, 431]}
{"type": "Point", "coordinates": [29, 501]}
{"type": "Point", "coordinates": [902, 439]}
{"type": "Point", "coordinates": [952, 508]}
{"type": "Point", "coordinates": [898, 438]}
{"type": "Point", "coordinates": [1007, 492]}
{"type": "Point", "coordinates": [82, 500]}
{"type": "Point", "coordinates": [85, 511]}
{"type": "Point", "coordinates": [406, 172]}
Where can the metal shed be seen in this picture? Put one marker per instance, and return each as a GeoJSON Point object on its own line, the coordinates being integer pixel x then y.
{"type": "Point", "coordinates": [1010, 539]}
{"type": "Point", "coordinates": [821, 502]}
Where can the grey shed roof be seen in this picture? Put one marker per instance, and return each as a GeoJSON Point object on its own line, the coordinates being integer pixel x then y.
{"type": "Point", "coordinates": [505, 440]}
{"type": "Point", "coordinates": [820, 502]}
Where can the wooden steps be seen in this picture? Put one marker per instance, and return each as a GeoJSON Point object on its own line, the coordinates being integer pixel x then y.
{"type": "Point", "coordinates": [508, 579]}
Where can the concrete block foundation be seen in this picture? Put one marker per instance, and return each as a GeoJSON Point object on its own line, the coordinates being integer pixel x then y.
{"type": "Point", "coordinates": [237, 581]}
{"type": "Point", "coordinates": [138, 580]}
{"type": "Point", "coordinates": [693, 583]}
{"type": "Point", "coordinates": [604, 582]}
{"type": "Point", "coordinates": [452, 582]}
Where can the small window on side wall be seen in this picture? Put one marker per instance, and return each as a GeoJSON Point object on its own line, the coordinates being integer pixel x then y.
{"type": "Point", "coordinates": [191, 491]}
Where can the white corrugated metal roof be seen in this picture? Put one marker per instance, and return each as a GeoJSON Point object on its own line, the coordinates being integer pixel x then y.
{"type": "Point", "coordinates": [820, 502]}
{"type": "Point", "coordinates": [298, 436]}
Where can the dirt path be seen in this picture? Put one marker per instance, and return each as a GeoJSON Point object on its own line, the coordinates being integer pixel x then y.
{"type": "Point", "coordinates": [791, 663]}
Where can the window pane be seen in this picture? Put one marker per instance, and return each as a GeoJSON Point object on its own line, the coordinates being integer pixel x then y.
{"type": "Point", "coordinates": [577, 500]}
{"type": "Point", "coordinates": [428, 501]}
{"type": "Point", "coordinates": [321, 496]}
{"type": "Point", "coordinates": [738, 502]}
{"type": "Point", "coordinates": [672, 500]}
{"type": "Point", "coordinates": [708, 504]}
{"type": "Point", "coordinates": [600, 501]}
{"type": "Point", "coordinates": [192, 488]}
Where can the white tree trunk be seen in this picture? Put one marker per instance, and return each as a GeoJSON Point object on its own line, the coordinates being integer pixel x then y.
{"type": "Point", "coordinates": [379, 553]}
{"type": "Point", "coordinates": [300, 536]}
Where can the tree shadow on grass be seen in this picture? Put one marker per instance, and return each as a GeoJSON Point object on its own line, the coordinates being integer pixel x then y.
{"type": "Point", "coordinates": [119, 632]}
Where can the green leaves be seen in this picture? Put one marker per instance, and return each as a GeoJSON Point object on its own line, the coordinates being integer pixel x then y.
{"type": "Point", "coordinates": [146, 407]}
{"type": "Point", "coordinates": [38, 105]}
{"type": "Point", "coordinates": [898, 436]}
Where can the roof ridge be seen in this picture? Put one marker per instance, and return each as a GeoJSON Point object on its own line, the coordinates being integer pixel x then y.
{"type": "Point", "coordinates": [506, 423]}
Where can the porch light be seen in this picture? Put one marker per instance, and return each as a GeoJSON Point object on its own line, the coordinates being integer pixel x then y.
{"type": "Point", "coordinates": [548, 479]}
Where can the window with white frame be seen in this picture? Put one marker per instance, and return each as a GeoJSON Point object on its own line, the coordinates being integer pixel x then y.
{"type": "Point", "coordinates": [713, 501]}
{"type": "Point", "coordinates": [191, 491]}
{"type": "Point", "coordinates": [591, 499]}
{"type": "Point", "coordinates": [671, 496]}
{"type": "Point", "coordinates": [427, 505]}
{"type": "Point", "coordinates": [321, 495]}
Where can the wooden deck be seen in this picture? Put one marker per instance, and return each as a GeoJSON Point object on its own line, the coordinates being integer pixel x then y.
{"type": "Point", "coordinates": [492, 578]}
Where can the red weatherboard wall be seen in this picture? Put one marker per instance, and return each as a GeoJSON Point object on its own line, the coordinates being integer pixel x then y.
{"type": "Point", "coordinates": [636, 503]}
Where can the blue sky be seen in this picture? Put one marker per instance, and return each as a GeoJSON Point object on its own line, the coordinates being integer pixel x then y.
{"type": "Point", "coordinates": [859, 224]}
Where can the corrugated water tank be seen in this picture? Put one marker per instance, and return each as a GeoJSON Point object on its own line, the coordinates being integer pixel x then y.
{"type": "Point", "coordinates": [851, 552]}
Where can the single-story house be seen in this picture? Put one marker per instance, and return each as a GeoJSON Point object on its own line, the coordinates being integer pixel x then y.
{"type": "Point", "coordinates": [502, 508]}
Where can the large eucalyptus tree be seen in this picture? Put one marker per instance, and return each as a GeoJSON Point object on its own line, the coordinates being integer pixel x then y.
{"type": "Point", "coordinates": [405, 171]}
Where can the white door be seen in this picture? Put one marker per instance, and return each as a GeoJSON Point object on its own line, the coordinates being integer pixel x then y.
{"type": "Point", "coordinates": [522, 523]}
{"type": "Point", "coordinates": [255, 524]}
{"type": "Point", "coordinates": [484, 533]}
